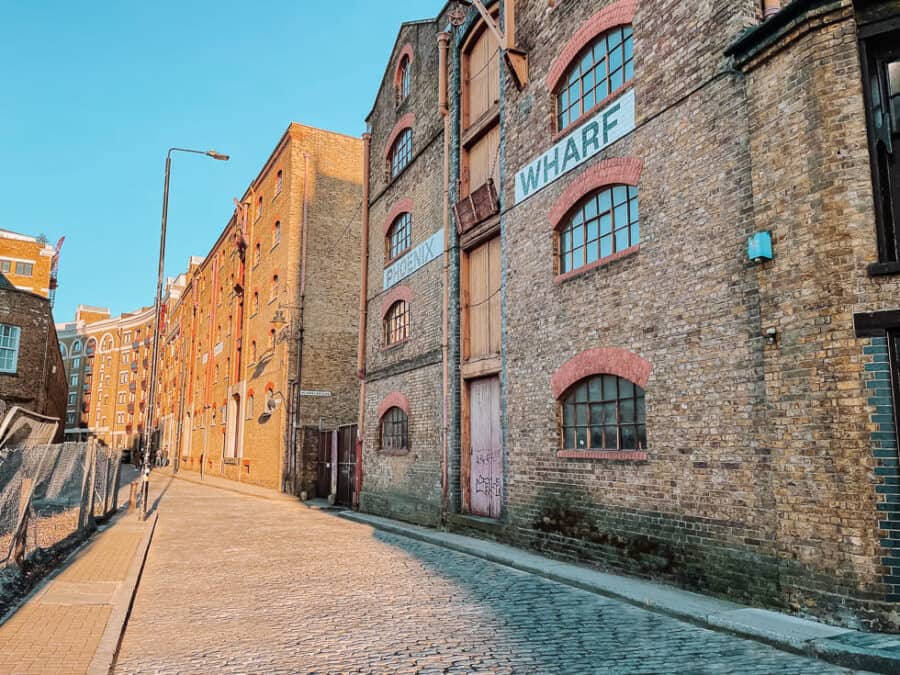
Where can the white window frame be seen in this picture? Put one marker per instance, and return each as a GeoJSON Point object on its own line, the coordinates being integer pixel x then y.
{"type": "Point", "coordinates": [10, 338]}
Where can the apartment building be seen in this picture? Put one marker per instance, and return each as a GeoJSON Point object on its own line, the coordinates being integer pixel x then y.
{"type": "Point", "coordinates": [29, 263]}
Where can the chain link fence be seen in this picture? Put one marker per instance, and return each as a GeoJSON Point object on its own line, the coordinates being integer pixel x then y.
{"type": "Point", "coordinates": [51, 493]}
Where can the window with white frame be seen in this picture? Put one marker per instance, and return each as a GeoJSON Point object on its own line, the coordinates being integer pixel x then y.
{"type": "Point", "coordinates": [73, 398]}
{"type": "Point", "coordinates": [9, 348]}
{"type": "Point", "coordinates": [74, 379]}
{"type": "Point", "coordinates": [24, 269]}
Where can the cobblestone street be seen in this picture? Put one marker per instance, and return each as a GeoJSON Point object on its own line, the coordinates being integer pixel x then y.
{"type": "Point", "coordinates": [238, 584]}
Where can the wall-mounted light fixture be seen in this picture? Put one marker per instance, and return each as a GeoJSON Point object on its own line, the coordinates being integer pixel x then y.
{"type": "Point", "coordinates": [771, 335]}
{"type": "Point", "coordinates": [759, 247]}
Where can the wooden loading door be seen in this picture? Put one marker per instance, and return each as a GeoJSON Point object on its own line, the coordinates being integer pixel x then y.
{"type": "Point", "coordinates": [346, 466]}
{"type": "Point", "coordinates": [486, 462]}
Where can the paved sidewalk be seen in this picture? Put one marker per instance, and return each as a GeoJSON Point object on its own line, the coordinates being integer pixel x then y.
{"type": "Point", "coordinates": [72, 622]}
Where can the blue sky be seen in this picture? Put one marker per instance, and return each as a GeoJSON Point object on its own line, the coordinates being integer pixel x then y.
{"type": "Point", "coordinates": [95, 92]}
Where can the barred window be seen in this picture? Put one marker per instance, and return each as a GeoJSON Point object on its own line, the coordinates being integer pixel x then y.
{"type": "Point", "coordinates": [602, 68]}
{"type": "Point", "coordinates": [396, 323]}
{"type": "Point", "coordinates": [604, 412]}
{"type": "Point", "coordinates": [394, 429]}
{"type": "Point", "coordinates": [605, 222]}
{"type": "Point", "coordinates": [401, 152]}
{"type": "Point", "coordinates": [398, 237]}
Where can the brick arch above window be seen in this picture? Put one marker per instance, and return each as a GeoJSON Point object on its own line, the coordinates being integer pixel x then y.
{"type": "Point", "coordinates": [405, 51]}
{"type": "Point", "coordinates": [601, 361]}
{"type": "Point", "coordinates": [617, 171]}
{"type": "Point", "coordinates": [404, 205]}
{"type": "Point", "coordinates": [396, 294]}
{"type": "Point", "coordinates": [405, 122]}
{"type": "Point", "coordinates": [616, 14]}
{"type": "Point", "coordinates": [393, 400]}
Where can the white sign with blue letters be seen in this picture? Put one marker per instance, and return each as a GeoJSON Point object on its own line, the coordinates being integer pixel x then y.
{"type": "Point", "coordinates": [421, 255]}
{"type": "Point", "coordinates": [607, 126]}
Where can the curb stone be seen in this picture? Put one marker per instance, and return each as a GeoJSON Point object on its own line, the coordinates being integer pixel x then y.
{"type": "Point", "coordinates": [108, 649]}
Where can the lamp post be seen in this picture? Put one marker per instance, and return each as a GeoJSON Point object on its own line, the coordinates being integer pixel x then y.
{"type": "Point", "coordinates": [151, 398]}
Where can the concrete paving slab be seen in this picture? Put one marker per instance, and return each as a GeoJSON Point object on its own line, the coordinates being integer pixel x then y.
{"type": "Point", "coordinates": [774, 626]}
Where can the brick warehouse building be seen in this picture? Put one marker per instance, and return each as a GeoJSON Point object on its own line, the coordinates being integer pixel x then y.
{"type": "Point", "coordinates": [256, 379]}
{"type": "Point", "coordinates": [618, 377]}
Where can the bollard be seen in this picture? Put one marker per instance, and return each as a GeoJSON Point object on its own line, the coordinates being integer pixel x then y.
{"type": "Point", "coordinates": [132, 495]}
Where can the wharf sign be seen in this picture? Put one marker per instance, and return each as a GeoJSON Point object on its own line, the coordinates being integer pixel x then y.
{"type": "Point", "coordinates": [421, 255]}
{"type": "Point", "coordinates": [607, 126]}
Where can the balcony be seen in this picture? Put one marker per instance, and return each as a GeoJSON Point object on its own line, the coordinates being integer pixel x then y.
{"type": "Point", "coordinates": [130, 408]}
{"type": "Point", "coordinates": [132, 386]}
{"type": "Point", "coordinates": [134, 366]}
{"type": "Point", "coordinates": [135, 345]}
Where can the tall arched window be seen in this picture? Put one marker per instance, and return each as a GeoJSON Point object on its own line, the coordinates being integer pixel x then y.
{"type": "Point", "coordinates": [279, 181]}
{"type": "Point", "coordinates": [250, 407]}
{"type": "Point", "coordinates": [603, 223]}
{"type": "Point", "coordinates": [76, 347]}
{"type": "Point", "coordinates": [274, 290]}
{"type": "Point", "coordinates": [257, 253]}
{"type": "Point", "coordinates": [394, 430]}
{"type": "Point", "coordinates": [396, 323]}
{"type": "Point", "coordinates": [403, 85]}
{"type": "Point", "coordinates": [398, 236]}
{"type": "Point", "coordinates": [602, 68]}
{"type": "Point", "coordinates": [604, 412]}
{"type": "Point", "coordinates": [276, 233]}
{"type": "Point", "coordinates": [401, 152]}
{"type": "Point", "coordinates": [255, 301]}
{"type": "Point", "coordinates": [253, 351]}
{"type": "Point", "coordinates": [259, 207]}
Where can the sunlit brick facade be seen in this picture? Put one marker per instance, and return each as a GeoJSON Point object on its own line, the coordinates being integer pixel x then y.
{"type": "Point", "coordinates": [259, 350]}
{"type": "Point", "coordinates": [628, 384]}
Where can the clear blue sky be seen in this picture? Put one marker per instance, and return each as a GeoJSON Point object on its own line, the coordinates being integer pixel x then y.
{"type": "Point", "coordinates": [95, 92]}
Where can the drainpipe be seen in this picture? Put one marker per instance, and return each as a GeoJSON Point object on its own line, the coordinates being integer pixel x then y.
{"type": "Point", "coordinates": [295, 395]}
{"type": "Point", "coordinates": [443, 46]}
{"type": "Point", "coordinates": [363, 316]}
{"type": "Point", "coordinates": [770, 8]}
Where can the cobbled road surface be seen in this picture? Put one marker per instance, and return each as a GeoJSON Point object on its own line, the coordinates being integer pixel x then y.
{"type": "Point", "coordinates": [239, 584]}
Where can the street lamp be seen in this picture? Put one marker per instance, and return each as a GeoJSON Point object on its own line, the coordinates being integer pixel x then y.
{"type": "Point", "coordinates": [151, 398]}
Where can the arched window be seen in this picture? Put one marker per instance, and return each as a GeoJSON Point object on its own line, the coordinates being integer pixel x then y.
{"type": "Point", "coordinates": [76, 348]}
{"type": "Point", "coordinates": [255, 301]}
{"type": "Point", "coordinates": [250, 407]}
{"type": "Point", "coordinates": [394, 430]}
{"type": "Point", "coordinates": [276, 233]}
{"type": "Point", "coordinates": [398, 236]}
{"type": "Point", "coordinates": [256, 254]}
{"type": "Point", "coordinates": [605, 222]}
{"type": "Point", "coordinates": [259, 204]}
{"type": "Point", "coordinates": [396, 323]}
{"type": "Point", "coordinates": [91, 347]}
{"type": "Point", "coordinates": [253, 352]}
{"type": "Point", "coordinates": [272, 338]}
{"type": "Point", "coordinates": [403, 85]}
{"type": "Point", "coordinates": [603, 412]}
{"type": "Point", "coordinates": [602, 68]}
{"type": "Point", "coordinates": [401, 152]}
{"type": "Point", "coordinates": [107, 344]}
{"type": "Point", "coordinates": [279, 181]}
{"type": "Point", "coordinates": [274, 290]}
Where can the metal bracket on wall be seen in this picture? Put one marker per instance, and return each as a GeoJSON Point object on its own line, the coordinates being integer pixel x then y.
{"type": "Point", "coordinates": [516, 59]}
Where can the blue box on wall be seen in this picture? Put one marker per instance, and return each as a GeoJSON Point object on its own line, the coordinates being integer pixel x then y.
{"type": "Point", "coordinates": [759, 246]}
